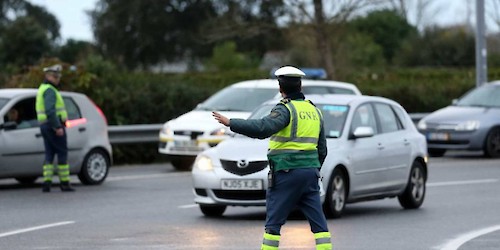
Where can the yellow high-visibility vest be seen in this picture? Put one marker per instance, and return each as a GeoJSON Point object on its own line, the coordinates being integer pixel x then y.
{"type": "Point", "coordinates": [40, 104]}
{"type": "Point", "coordinates": [302, 132]}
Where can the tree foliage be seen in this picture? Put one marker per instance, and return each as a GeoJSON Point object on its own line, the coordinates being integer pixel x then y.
{"type": "Point", "coordinates": [387, 28]}
{"type": "Point", "coordinates": [141, 33]}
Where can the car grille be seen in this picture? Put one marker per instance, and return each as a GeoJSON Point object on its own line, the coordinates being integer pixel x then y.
{"type": "Point", "coordinates": [252, 167]}
{"type": "Point", "coordinates": [240, 194]}
{"type": "Point", "coordinates": [192, 134]}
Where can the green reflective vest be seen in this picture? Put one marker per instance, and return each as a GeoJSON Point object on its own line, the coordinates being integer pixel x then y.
{"type": "Point", "coordinates": [40, 104]}
{"type": "Point", "coordinates": [295, 146]}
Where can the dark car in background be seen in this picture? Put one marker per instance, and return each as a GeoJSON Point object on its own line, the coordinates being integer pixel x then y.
{"type": "Point", "coordinates": [21, 142]}
{"type": "Point", "coordinates": [472, 122]}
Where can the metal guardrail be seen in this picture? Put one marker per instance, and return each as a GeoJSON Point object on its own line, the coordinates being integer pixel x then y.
{"type": "Point", "coordinates": [142, 133]}
{"type": "Point", "coordinates": [139, 133]}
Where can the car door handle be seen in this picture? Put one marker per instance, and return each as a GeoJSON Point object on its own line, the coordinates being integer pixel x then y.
{"type": "Point", "coordinates": [38, 135]}
{"type": "Point", "coordinates": [82, 129]}
{"type": "Point", "coordinates": [380, 146]}
{"type": "Point", "coordinates": [406, 142]}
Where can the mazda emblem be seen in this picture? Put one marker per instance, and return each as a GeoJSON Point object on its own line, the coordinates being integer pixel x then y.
{"type": "Point", "coordinates": [242, 163]}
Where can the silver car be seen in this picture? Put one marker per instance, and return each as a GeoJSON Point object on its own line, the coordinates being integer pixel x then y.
{"type": "Point", "coordinates": [471, 123]}
{"type": "Point", "coordinates": [21, 142]}
{"type": "Point", "coordinates": [374, 151]}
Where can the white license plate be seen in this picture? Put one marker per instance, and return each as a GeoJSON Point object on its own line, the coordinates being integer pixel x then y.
{"type": "Point", "coordinates": [241, 184]}
{"type": "Point", "coordinates": [438, 136]}
{"type": "Point", "coordinates": [185, 143]}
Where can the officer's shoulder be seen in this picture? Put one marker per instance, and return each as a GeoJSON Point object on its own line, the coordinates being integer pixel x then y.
{"type": "Point", "coordinates": [284, 101]}
{"type": "Point", "coordinates": [311, 102]}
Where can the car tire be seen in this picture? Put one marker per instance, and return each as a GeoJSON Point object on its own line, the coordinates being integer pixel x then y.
{"type": "Point", "coordinates": [213, 210]}
{"type": "Point", "coordinates": [492, 143]}
{"type": "Point", "coordinates": [95, 167]}
{"type": "Point", "coordinates": [336, 194]}
{"type": "Point", "coordinates": [414, 193]}
{"type": "Point", "coordinates": [26, 180]}
{"type": "Point", "coordinates": [182, 163]}
{"type": "Point", "coordinates": [436, 152]}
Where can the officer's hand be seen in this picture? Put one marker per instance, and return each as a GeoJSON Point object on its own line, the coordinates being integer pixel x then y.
{"type": "Point", "coordinates": [221, 119]}
{"type": "Point", "coordinates": [59, 131]}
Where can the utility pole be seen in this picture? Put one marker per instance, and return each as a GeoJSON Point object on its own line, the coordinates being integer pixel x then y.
{"type": "Point", "coordinates": [481, 51]}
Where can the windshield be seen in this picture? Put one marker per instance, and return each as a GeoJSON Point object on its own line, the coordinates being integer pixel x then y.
{"type": "Point", "coordinates": [3, 101]}
{"type": "Point", "coordinates": [486, 96]}
{"type": "Point", "coordinates": [334, 117]}
{"type": "Point", "coordinates": [237, 99]}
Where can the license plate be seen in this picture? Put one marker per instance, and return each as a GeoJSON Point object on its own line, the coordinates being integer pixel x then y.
{"type": "Point", "coordinates": [438, 136]}
{"type": "Point", "coordinates": [241, 184]}
{"type": "Point", "coordinates": [186, 143]}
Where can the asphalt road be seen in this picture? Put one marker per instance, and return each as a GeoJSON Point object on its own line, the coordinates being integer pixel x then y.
{"type": "Point", "coordinates": [151, 207]}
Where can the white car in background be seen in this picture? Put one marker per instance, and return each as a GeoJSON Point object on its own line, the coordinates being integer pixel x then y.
{"type": "Point", "coordinates": [374, 152]}
{"type": "Point", "coordinates": [184, 137]}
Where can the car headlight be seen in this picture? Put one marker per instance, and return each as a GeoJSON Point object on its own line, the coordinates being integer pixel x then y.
{"type": "Point", "coordinates": [422, 125]}
{"type": "Point", "coordinates": [204, 163]}
{"type": "Point", "coordinates": [166, 130]}
{"type": "Point", "coordinates": [222, 131]}
{"type": "Point", "coordinates": [467, 126]}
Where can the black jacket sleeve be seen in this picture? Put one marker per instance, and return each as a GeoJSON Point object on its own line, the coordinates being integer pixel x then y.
{"type": "Point", "coordinates": [264, 127]}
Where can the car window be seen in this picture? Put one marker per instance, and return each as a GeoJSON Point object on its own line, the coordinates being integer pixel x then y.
{"type": "Point", "coordinates": [237, 99]}
{"type": "Point", "coordinates": [3, 101]}
{"type": "Point", "coordinates": [364, 116]}
{"type": "Point", "coordinates": [387, 118]}
{"type": "Point", "coordinates": [486, 96]}
{"type": "Point", "coordinates": [401, 115]}
{"type": "Point", "coordinates": [334, 117]}
{"type": "Point", "coordinates": [308, 90]}
{"type": "Point", "coordinates": [72, 108]}
{"type": "Point", "coordinates": [23, 113]}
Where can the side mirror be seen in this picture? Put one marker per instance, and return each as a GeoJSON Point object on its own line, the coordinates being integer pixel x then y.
{"type": "Point", "coordinates": [362, 132]}
{"type": "Point", "coordinates": [9, 125]}
{"type": "Point", "coordinates": [454, 101]}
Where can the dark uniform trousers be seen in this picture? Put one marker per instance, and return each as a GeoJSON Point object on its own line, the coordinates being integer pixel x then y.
{"type": "Point", "coordinates": [54, 145]}
{"type": "Point", "coordinates": [295, 188]}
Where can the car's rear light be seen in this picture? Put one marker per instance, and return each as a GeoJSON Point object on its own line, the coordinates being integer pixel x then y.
{"type": "Point", "coordinates": [76, 122]}
{"type": "Point", "coordinates": [100, 111]}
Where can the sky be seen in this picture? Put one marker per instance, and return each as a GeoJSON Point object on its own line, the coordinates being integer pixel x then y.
{"type": "Point", "coordinates": [75, 23]}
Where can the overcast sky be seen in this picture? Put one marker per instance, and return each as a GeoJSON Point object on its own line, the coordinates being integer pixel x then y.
{"type": "Point", "coordinates": [76, 24]}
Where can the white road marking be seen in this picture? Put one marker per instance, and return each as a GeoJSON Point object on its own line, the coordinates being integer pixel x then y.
{"type": "Point", "coordinates": [454, 183]}
{"type": "Point", "coordinates": [29, 229]}
{"type": "Point", "coordinates": [189, 206]}
{"type": "Point", "coordinates": [454, 244]}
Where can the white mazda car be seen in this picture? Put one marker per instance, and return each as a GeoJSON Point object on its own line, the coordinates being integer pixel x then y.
{"type": "Point", "coordinates": [374, 152]}
{"type": "Point", "coordinates": [184, 137]}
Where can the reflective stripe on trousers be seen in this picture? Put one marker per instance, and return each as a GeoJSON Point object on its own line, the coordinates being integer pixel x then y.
{"type": "Point", "coordinates": [323, 241]}
{"type": "Point", "coordinates": [48, 172]}
{"type": "Point", "coordinates": [270, 242]}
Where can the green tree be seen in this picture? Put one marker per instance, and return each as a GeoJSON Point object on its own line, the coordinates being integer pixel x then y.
{"type": "Point", "coordinates": [141, 33]}
{"type": "Point", "coordinates": [387, 28]}
{"type": "Point", "coordinates": [226, 57]}
{"type": "Point", "coordinates": [23, 42]}
{"type": "Point", "coordinates": [73, 51]}
{"type": "Point", "coordinates": [439, 46]}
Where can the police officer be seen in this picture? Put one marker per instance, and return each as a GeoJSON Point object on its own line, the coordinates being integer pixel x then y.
{"type": "Point", "coordinates": [51, 114]}
{"type": "Point", "coordinates": [297, 149]}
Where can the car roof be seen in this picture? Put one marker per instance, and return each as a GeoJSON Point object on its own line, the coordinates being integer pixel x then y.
{"type": "Point", "coordinates": [339, 99]}
{"type": "Point", "coordinates": [272, 84]}
{"type": "Point", "coordinates": [14, 92]}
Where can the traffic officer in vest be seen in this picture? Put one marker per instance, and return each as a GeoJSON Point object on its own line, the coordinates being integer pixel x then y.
{"type": "Point", "coordinates": [51, 114]}
{"type": "Point", "coordinates": [297, 149]}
